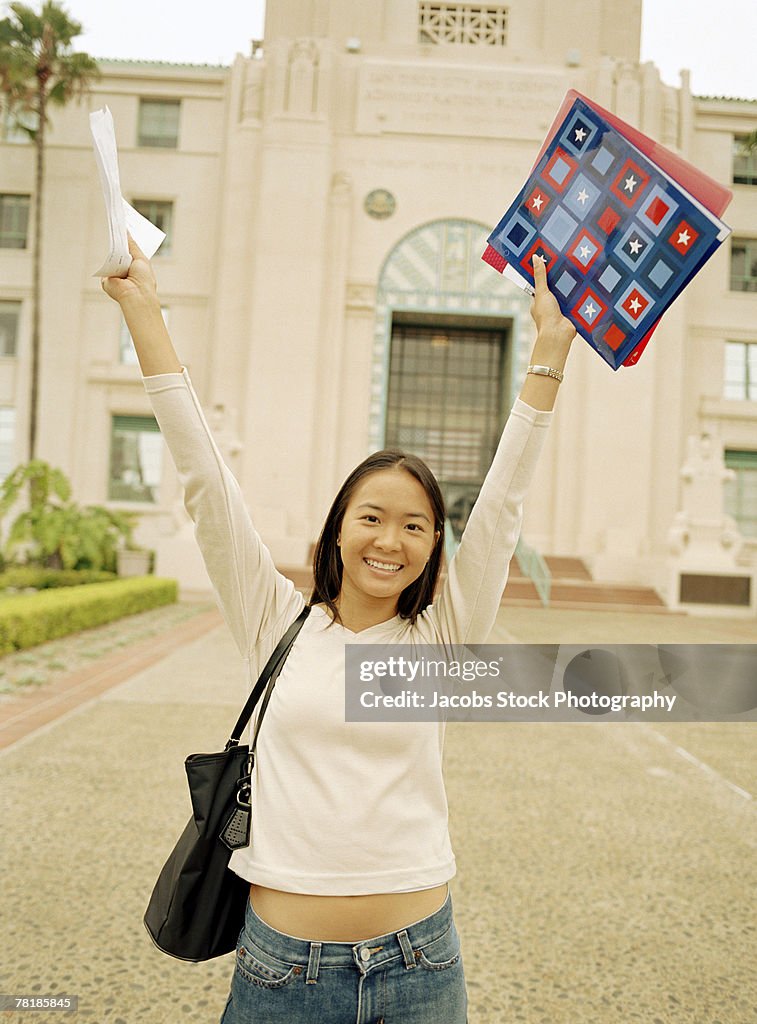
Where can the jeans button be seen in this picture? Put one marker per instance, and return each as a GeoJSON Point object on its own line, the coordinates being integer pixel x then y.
{"type": "Point", "coordinates": [365, 954]}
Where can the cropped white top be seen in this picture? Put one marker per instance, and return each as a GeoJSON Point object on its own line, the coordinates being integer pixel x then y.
{"type": "Point", "coordinates": [341, 808]}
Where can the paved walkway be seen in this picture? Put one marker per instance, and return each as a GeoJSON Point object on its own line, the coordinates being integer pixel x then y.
{"type": "Point", "coordinates": [606, 873]}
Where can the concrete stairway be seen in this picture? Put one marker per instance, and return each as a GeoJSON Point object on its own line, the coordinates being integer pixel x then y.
{"type": "Point", "coordinates": [572, 587]}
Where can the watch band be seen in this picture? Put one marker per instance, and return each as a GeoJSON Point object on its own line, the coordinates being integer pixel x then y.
{"type": "Point", "coordinates": [545, 371]}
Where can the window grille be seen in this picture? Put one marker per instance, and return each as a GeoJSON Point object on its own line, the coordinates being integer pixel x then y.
{"type": "Point", "coordinates": [445, 403]}
{"type": "Point", "coordinates": [10, 314]}
{"type": "Point", "coordinates": [741, 493]}
{"type": "Point", "coordinates": [159, 123]}
{"type": "Point", "coordinates": [14, 221]}
{"type": "Point", "coordinates": [7, 441]}
{"type": "Point", "coordinates": [136, 459]}
{"type": "Point", "coordinates": [744, 161]}
{"type": "Point", "coordinates": [740, 371]}
{"type": "Point", "coordinates": [462, 23]}
{"type": "Point", "coordinates": [744, 265]}
{"type": "Point", "coordinates": [160, 213]}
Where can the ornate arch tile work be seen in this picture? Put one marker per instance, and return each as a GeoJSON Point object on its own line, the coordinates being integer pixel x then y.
{"type": "Point", "coordinates": [437, 268]}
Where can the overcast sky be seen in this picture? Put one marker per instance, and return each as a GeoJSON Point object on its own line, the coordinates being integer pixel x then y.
{"type": "Point", "coordinates": [715, 39]}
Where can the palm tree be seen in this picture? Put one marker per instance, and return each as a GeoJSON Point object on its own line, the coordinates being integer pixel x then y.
{"type": "Point", "coordinates": [38, 68]}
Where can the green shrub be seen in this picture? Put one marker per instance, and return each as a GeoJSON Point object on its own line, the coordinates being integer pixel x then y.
{"type": "Point", "coordinates": [52, 530]}
{"type": "Point", "coordinates": [23, 577]}
{"type": "Point", "coordinates": [30, 619]}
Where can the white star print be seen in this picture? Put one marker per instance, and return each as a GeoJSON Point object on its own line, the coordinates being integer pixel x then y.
{"type": "Point", "coordinates": [590, 311]}
{"type": "Point", "coordinates": [635, 246]}
{"type": "Point", "coordinates": [584, 252]}
{"type": "Point", "coordinates": [630, 184]}
{"type": "Point", "coordinates": [582, 196]}
{"type": "Point", "coordinates": [635, 305]}
{"type": "Point", "coordinates": [580, 134]}
{"type": "Point", "coordinates": [684, 238]}
{"type": "Point", "coordinates": [537, 201]}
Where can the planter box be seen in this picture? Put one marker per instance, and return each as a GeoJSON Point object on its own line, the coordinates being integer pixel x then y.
{"type": "Point", "coordinates": [133, 563]}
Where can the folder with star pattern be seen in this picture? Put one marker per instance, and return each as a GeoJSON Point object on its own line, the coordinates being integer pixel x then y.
{"type": "Point", "coordinates": [621, 233]}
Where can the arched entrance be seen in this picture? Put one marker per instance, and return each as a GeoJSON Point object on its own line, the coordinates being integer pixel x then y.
{"type": "Point", "coordinates": [451, 345]}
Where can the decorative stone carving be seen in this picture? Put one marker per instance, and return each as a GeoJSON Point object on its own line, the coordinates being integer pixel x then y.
{"type": "Point", "coordinates": [702, 528]}
{"type": "Point", "coordinates": [301, 96]}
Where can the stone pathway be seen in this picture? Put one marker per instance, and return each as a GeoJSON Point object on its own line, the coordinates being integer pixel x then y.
{"type": "Point", "coordinates": [603, 877]}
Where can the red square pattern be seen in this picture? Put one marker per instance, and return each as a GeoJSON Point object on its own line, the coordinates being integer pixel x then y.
{"type": "Point", "coordinates": [683, 238]}
{"type": "Point", "coordinates": [635, 304]}
{"type": "Point", "coordinates": [630, 183]}
{"type": "Point", "coordinates": [614, 337]}
{"type": "Point", "coordinates": [540, 247]}
{"type": "Point", "coordinates": [537, 202]}
{"type": "Point", "coordinates": [609, 220]}
{"type": "Point", "coordinates": [656, 210]}
{"type": "Point", "coordinates": [589, 310]}
{"type": "Point", "coordinates": [558, 156]}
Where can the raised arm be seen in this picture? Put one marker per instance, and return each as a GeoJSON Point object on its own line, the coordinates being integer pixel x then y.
{"type": "Point", "coordinates": [137, 295]}
{"type": "Point", "coordinates": [468, 603]}
{"type": "Point", "coordinates": [257, 601]}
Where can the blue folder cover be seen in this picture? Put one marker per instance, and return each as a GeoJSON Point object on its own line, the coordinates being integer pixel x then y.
{"type": "Point", "coordinates": [620, 237]}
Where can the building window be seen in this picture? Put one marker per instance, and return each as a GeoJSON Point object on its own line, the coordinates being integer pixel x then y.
{"type": "Point", "coordinates": [744, 161]}
{"type": "Point", "coordinates": [445, 402]}
{"type": "Point", "coordinates": [741, 493]}
{"type": "Point", "coordinates": [740, 372]}
{"type": "Point", "coordinates": [14, 123]}
{"type": "Point", "coordinates": [744, 265]}
{"type": "Point", "coordinates": [127, 354]}
{"type": "Point", "coordinates": [136, 459]}
{"type": "Point", "coordinates": [462, 23]}
{"type": "Point", "coordinates": [160, 213]}
{"type": "Point", "coordinates": [14, 221]}
{"type": "Point", "coordinates": [10, 314]}
{"type": "Point", "coordinates": [7, 441]}
{"type": "Point", "coordinates": [159, 123]}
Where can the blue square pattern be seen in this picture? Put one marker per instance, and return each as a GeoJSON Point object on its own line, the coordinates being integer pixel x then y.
{"type": "Point", "coordinates": [584, 250]}
{"type": "Point", "coordinates": [655, 265]}
{"type": "Point", "coordinates": [660, 274]}
{"type": "Point", "coordinates": [609, 277]}
{"type": "Point", "coordinates": [559, 227]}
{"type": "Point", "coordinates": [634, 247]}
{"type": "Point", "coordinates": [581, 196]}
{"type": "Point", "coordinates": [604, 160]}
{"type": "Point", "coordinates": [560, 170]}
{"type": "Point", "coordinates": [512, 236]}
{"type": "Point", "coordinates": [566, 283]}
{"type": "Point", "coordinates": [578, 134]}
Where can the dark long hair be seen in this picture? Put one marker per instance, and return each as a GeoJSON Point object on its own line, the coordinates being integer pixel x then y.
{"type": "Point", "coordinates": [327, 559]}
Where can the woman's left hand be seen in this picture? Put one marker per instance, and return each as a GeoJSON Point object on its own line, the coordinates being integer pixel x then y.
{"type": "Point", "coordinates": [554, 331]}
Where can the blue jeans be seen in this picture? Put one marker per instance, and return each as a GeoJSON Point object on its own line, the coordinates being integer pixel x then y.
{"type": "Point", "coordinates": [413, 976]}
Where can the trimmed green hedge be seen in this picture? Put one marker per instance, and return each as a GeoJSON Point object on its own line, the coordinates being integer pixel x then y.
{"type": "Point", "coordinates": [30, 619]}
{"type": "Point", "coordinates": [20, 577]}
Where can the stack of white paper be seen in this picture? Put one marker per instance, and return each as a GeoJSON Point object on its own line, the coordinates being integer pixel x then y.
{"type": "Point", "coordinates": [122, 218]}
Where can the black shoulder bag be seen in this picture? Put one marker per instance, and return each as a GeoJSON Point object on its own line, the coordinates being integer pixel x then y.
{"type": "Point", "coordinates": [197, 907]}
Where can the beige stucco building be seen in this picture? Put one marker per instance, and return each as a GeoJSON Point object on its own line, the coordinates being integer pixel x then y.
{"type": "Point", "coordinates": [327, 200]}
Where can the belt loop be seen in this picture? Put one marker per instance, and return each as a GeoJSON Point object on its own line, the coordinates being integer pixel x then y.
{"type": "Point", "coordinates": [315, 958]}
{"type": "Point", "coordinates": [407, 949]}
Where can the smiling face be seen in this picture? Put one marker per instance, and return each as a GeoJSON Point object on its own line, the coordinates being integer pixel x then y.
{"type": "Point", "coordinates": [386, 538]}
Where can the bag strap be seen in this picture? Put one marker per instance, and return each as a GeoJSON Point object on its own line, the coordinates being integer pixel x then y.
{"type": "Point", "coordinates": [269, 673]}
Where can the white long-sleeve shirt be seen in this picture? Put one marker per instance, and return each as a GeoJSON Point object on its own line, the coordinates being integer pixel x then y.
{"type": "Point", "coordinates": [341, 808]}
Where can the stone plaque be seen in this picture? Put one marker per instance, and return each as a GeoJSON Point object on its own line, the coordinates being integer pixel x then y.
{"type": "Point", "coordinates": [457, 100]}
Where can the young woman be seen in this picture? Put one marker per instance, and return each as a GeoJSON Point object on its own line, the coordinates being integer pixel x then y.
{"type": "Point", "coordinates": [350, 918]}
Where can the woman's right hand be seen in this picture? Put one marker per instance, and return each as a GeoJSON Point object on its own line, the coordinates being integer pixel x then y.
{"type": "Point", "coordinates": [139, 286]}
